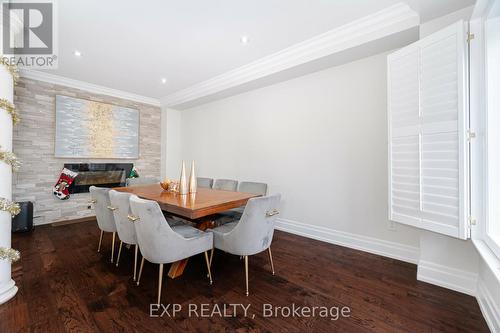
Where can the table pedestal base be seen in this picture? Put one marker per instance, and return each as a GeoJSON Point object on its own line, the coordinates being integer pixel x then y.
{"type": "Point", "coordinates": [177, 268]}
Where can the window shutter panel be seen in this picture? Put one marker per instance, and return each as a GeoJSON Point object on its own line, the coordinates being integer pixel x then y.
{"type": "Point", "coordinates": [427, 90]}
{"type": "Point", "coordinates": [404, 146]}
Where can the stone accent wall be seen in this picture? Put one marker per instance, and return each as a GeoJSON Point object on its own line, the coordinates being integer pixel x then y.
{"type": "Point", "coordinates": [34, 140]}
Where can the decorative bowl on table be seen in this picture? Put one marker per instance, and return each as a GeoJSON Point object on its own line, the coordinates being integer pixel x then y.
{"type": "Point", "coordinates": [170, 185]}
{"type": "Point", "coordinates": [164, 184]}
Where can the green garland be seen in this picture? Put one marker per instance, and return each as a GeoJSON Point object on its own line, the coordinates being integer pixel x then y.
{"type": "Point", "coordinates": [12, 207]}
{"type": "Point", "coordinates": [10, 158]}
{"type": "Point", "coordinates": [11, 68]}
{"type": "Point", "coordinates": [9, 254]}
{"type": "Point", "coordinates": [11, 109]}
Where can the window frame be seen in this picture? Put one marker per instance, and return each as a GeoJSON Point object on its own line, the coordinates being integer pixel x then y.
{"type": "Point", "coordinates": [491, 194]}
{"type": "Point", "coordinates": [480, 180]}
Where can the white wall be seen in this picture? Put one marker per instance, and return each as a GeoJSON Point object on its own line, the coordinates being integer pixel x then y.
{"type": "Point", "coordinates": [171, 143]}
{"type": "Point", "coordinates": [320, 140]}
{"type": "Point", "coordinates": [448, 262]}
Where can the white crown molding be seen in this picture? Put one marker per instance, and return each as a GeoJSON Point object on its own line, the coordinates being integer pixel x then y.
{"type": "Point", "coordinates": [359, 242]}
{"type": "Point", "coordinates": [447, 277]}
{"type": "Point", "coordinates": [93, 88]}
{"type": "Point", "coordinates": [394, 19]}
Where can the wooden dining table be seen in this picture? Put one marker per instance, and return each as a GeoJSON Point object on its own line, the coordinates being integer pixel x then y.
{"type": "Point", "coordinates": [200, 207]}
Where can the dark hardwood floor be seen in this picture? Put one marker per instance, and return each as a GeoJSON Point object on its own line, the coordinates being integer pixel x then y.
{"type": "Point", "coordinates": [66, 286]}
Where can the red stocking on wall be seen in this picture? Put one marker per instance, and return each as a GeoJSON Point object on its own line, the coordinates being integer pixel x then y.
{"type": "Point", "coordinates": [66, 178]}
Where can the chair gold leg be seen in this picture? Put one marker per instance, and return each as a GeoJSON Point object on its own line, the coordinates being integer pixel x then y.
{"type": "Point", "coordinates": [208, 266]}
{"type": "Point", "coordinates": [271, 258]}
{"type": "Point", "coordinates": [113, 247]}
{"type": "Point", "coordinates": [140, 271]}
{"type": "Point", "coordinates": [119, 253]}
{"type": "Point", "coordinates": [212, 256]}
{"type": "Point", "coordinates": [246, 273]}
{"type": "Point", "coordinates": [135, 260]}
{"type": "Point", "coordinates": [100, 242]}
{"type": "Point", "coordinates": [160, 279]}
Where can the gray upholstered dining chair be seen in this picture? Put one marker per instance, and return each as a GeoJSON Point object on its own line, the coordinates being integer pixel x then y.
{"type": "Point", "coordinates": [120, 206]}
{"type": "Point", "coordinates": [252, 234]}
{"type": "Point", "coordinates": [204, 182]}
{"type": "Point", "coordinates": [225, 184]}
{"type": "Point", "coordinates": [161, 243]}
{"type": "Point", "coordinates": [250, 187]}
{"type": "Point", "coordinates": [105, 219]}
{"type": "Point", "coordinates": [234, 214]}
{"type": "Point", "coordinates": [141, 181]}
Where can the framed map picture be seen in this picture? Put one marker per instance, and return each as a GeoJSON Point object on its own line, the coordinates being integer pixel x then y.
{"type": "Point", "coordinates": [88, 129]}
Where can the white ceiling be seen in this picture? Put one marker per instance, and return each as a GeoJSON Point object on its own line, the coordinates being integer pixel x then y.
{"type": "Point", "coordinates": [130, 45]}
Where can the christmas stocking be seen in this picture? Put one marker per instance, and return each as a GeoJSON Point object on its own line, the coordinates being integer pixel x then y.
{"type": "Point", "coordinates": [66, 178]}
{"type": "Point", "coordinates": [134, 173]}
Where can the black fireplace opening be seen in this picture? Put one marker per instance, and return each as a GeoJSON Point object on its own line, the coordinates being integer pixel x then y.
{"type": "Point", "coordinates": [98, 174]}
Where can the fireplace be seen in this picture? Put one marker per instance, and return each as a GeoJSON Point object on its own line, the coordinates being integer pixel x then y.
{"type": "Point", "coordinates": [98, 174]}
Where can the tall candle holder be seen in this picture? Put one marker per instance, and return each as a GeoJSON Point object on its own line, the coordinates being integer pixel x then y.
{"type": "Point", "coordinates": [183, 184]}
{"type": "Point", "coordinates": [192, 180]}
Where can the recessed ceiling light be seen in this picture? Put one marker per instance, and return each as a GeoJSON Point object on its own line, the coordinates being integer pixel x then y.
{"type": "Point", "coordinates": [77, 53]}
{"type": "Point", "coordinates": [163, 80]}
{"type": "Point", "coordinates": [244, 40]}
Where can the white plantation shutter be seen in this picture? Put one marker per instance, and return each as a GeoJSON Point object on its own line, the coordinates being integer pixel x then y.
{"type": "Point", "coordinates": [405, 143]}
{"type": "Point", "coordinates": [428, 151]}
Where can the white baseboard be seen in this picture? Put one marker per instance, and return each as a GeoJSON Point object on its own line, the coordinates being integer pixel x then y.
{"type": "Point", "coordinates": [368, 244]}
{"type": "Point", "coordinates": [447, 277]}
{"type": "Point", "coordinates": [489, 306]}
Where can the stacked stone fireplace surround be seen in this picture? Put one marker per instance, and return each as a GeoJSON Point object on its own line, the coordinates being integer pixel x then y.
{"type": "Point", "coordinates": [33, 143]}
